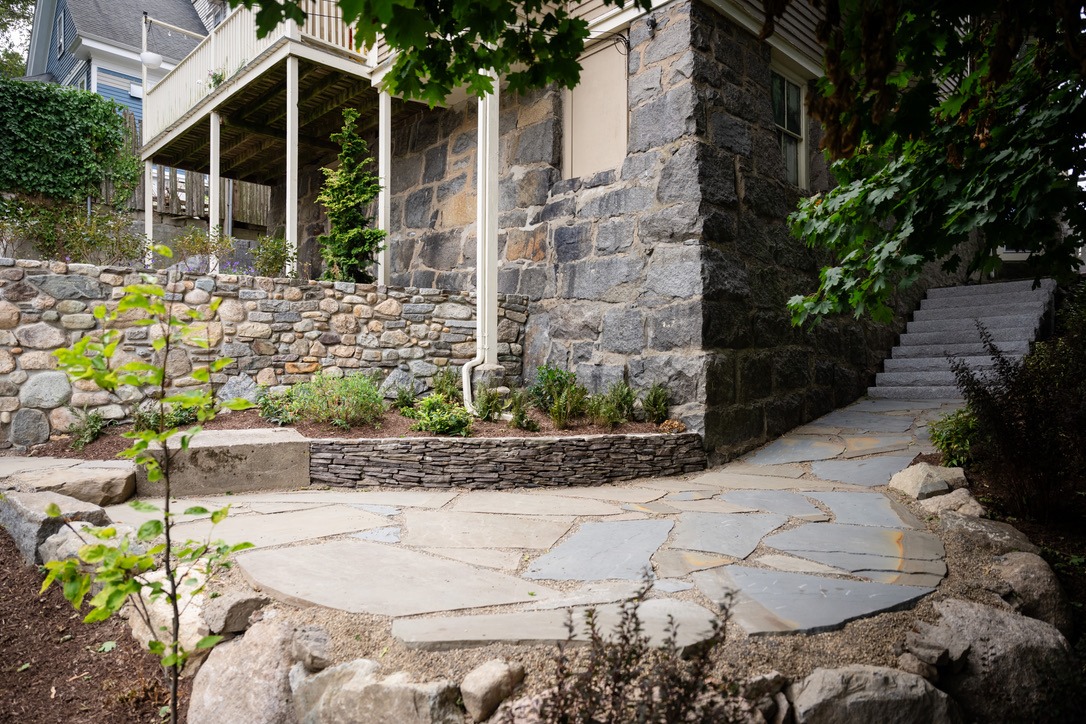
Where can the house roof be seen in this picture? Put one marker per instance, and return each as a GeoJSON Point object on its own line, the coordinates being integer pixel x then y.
{"type": "Point", "coordinates": [119, 21]}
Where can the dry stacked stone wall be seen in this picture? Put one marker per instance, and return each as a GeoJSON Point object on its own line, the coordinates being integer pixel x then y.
{"type": "Point", "coordinates": [278, 331]}
{"type": "Point", "coordinates": [499, 463]}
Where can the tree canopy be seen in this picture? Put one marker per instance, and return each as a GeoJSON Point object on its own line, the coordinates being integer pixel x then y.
{"type": "Point", "coordinates": [15, 17]}
{"type": "Point", "coordinates": [444, 44]}
{"type": "Point", "coordinates": [956, 128]}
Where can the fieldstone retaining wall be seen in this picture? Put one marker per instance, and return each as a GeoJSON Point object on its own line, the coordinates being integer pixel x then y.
{"type": "Point", "coordinates": [279, 331]}
{"type": "Point", "coordinates": [500, 463]}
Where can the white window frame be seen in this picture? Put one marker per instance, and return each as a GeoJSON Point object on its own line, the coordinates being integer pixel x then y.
{"type": "Point", "coordinates": [804, 161]}
{"type": "Point", "coordinates": [59, 30]}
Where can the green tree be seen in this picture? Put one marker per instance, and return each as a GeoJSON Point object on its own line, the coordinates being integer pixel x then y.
{"type": "Point", "coordinates": [948, 123]}
{"type": "Point", "coordinates": [351, 244]}
{"type": "Point", "coordinates": [444, 45]}
{"type": "Point", "coordinates": [15, 19]}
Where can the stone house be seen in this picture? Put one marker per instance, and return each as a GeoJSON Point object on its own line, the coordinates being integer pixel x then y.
{"type": "Point", "coordinates": [643, 214]}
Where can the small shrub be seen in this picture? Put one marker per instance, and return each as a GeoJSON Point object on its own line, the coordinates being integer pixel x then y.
{"type": "Point", "coordinates": [549, 384]}
{"type": "Point", "coordinates": [271, 256]}
{"type": "Point", "coordinates": [655, 403]}
{"type": "Point", "coordinates": [623, 399]}
{"type": "Point", "coordinates": [88, 429]}
{"type": "Point", "coordinates": [624, 678]}
{"type": "Point", "coordinates": [344, 402]}
{"type": "Point", "coordinates": [194, 247]}
{"type": "Point", "coordinates": [150, 417]}
{"type": "Point", "coordinates": [405, 398]}
{"type": "Point", "coordinates": [570, 403]}
{"type": "Point", "coordinates": [447, 384]}
{"type": "Point", "coordinates": [489, 405]}
{"type": "Point", "coordinates": [602, 411]}
{"type": "Point", "coordinates": [519, 401]}
{"type": "Point", "coordinates": [953, 435]}
{"type": "Point", "coordinates": [437, 415]}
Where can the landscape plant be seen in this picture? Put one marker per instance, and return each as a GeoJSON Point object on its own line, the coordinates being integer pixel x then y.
{"type": "Point", "coordinates": [446, 383]}
{"type": "Point", "coordinates": [519, 405]}
{"type": "Point", "coordinates": [87, 428]}
{"type": "Point", "coordinates": [194, 247]}
{"type": "Point", "coordinates": [438, 415]}
{"type": "Point", "coordinates": [550, 382]}
{"type": "Point", "coordinates": [272, 256]}
{"type": "Point", "coordinates": [344, 402]}
{"type": "Point", "coordinates": [123, 570]}
{"type": "Point", "coordinates": [656, 403]}
{"type": "Point", "coordinates": [351, 244]}
{"type": "Point", "coordinates": [602, 411]}
{"type": "Point", "coordinates": [954, 435]}
{"type": "Point", "coordinates": [489, 404]}
{"type": "Point", "coordinates": [405, 397]}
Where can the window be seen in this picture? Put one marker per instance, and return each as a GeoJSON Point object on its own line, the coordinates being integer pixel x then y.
{"type": "Point", "coordinates": [789, 119]}
{"type": "Point", "coordinates": [60, 33]}
{"type": "Point", "coordinates": [595, 114]}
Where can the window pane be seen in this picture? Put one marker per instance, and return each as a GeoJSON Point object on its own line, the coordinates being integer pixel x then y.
{"type": "Point", "coordinates": [793, 109]}
{"type": "Point", "coordinates": [778, 99]}
{"type": "Point", "coordinates": [790, 148]}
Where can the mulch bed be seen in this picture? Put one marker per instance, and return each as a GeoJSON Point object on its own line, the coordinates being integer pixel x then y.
{"type": "Point", "coordinates": [393, 425]}
{"type": "Point", "coordinates": [54, 668]}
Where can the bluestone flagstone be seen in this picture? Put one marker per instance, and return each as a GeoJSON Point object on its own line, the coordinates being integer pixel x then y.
{"type": "Point", "coordinates": [775, 501]}
{"type": "Point", "coordinates": [870, 472]}
{"type": "Point", "coordinates": [672, 563]}
{"type": "Point", "coordinates": [485, 557]}
{"type": "Point", "coordinates": [590, 594]}
{"type": "Point", "coordinates": [270, 530]}
{"type": "Point", "coordinates": [713, 505]}
{"type": "Point", "coordinates": [736, 534]}
{"type": "Point", "coordinates": [379, 579]}
{"type": "Point", "coordinates": [777, 602]}
{"type": "Point", "coordinates": [861, 445]}
{"type": "Point", "coordinates": [867, 509]}
{"type": "Point", "coordinates": [865, 422]}
{"type": "Point", "coordinates": [455, 529]}
{"type": "Point", "coordinates": [604, 492]}
{"type": "Point", "coordinates": [894, 405]}
{"type": "Point", "coordinates": [795, 449]}
{"type": "Point", "coordinates": [787, 470]}
{"type": "Point", "coordinates": [671, 585]}
{"type": "Point", "coordinates": [601, 551]}
{"type": "Point", "coordinates": [517, 504]}
{"type": "Point", "coordinates": [391, 534]}
{"type": "Point", "coordinates": [797, 565]}
{"type": "Point", "coordinates": [731, 481]}
{"type": "Point", "coordinates": [386, 510]}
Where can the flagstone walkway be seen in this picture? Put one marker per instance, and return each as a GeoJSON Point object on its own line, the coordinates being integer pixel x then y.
{"type": "Point", "coordinates": [798, 536]}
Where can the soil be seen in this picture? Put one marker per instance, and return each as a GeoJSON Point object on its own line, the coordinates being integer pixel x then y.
{"type": "Point", "coordinates": [392, 425]}
{"type": "Point", "coordinates": [55, 668]}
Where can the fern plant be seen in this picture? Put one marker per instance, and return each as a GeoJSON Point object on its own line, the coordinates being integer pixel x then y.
{"type": "Point", "coordinates": [352, 242]}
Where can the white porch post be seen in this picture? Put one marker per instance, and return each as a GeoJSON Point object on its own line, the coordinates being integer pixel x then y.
{"type": "Point", "coordinates": [148, 213]}
{"type": "Point", "coordinates": [292, 160]}
{"type": "Point", "coordinates": [384, 168]}
{"type": "Point", "coordinates": [487, 231]}
{"type": "Point", "coordinates": [214, 224]}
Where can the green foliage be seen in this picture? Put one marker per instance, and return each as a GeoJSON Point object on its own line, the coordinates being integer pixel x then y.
{"type": "Point", "coordinates": [602, 411]}
{"type": "Point", "coordinates": [623, 398]}
{"type": "Point", "coordinates": [625, 678]}
{"type": "Point", "coordinates": [438, 415]}
{"type": "Point", "coordinates": [63, 230]}
{"type": "Point", "coordinates": [405, 397]}
{"type": "Point", "coordinates": [351, 244]}
{"type": "Point", "coordinates": [110, 564]}
{"type": "Point", "coordinates": [549, 383]}
{"type": "Point", "coordinates": [153, 416]}
{"type": "Point", "coordinates": [489, 405]}
{"type": "Point", "coordinates": [194, 246]}
{"type": "Point", "coordinates": [952, 124]}
{"type": "Point", "coordinates": [272, 256]}
{"type": "Point", "coordinates": [519, 403]}
{"type": "Point", "coordinates": [1030, 419]}
{"type": "Point", "coordinates": [570, 403]}
{"type": "Point", "coordinates": [655, 404]}
{"type": "Point", "coordinates": [88, 428]}
{"type": "Point", "coordinates": [63, 143]}
{"type": "Point", "coordinates": [953, 435]}
{"type": "Point", "coordinates": [444, 46]}
{"type": "Point", "coordinates": [344, 402]}
{"type": "Point", "coordinates": [447, 384]}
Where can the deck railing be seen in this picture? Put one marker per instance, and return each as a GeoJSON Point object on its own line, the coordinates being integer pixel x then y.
{"type": "Point", "coordinates": [225, 51]}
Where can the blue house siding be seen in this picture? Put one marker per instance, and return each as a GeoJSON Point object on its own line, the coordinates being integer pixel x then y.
{"type": "Point", "coordinates": [60, 68]}
{"type": "Point", "coordinates": [117, 86]}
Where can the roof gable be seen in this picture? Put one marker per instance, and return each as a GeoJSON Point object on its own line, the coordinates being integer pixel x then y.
{"type": "Point", "coordinates": [118, 21]}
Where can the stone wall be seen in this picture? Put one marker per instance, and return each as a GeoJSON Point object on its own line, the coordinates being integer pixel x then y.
{"type": "Point", "coordinates": [499, 463]}
{"type": "Point", "coordinates": [278, 331]}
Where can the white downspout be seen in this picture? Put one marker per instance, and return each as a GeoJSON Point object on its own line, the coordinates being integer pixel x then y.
{"type": "Point", "coordinates": [384, 166]}
{"type": "Point", "coordinates": [486, 242]}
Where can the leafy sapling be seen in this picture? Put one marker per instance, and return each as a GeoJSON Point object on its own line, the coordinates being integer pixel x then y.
{"type": "Point", "coordinates": [126, 570]}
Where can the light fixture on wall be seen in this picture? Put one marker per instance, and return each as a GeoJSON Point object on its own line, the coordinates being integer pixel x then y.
{"type": "Point", "coordinates": [650, 22]}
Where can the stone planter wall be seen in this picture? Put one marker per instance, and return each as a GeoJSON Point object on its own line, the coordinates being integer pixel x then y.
{"type": "Point", "coordinates": [279, 331]}
{"type": "Point", "coordinates": [500, 463]}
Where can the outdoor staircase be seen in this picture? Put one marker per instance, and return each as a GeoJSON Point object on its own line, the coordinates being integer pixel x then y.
{"type": "Point", "coordinates": [946, 324]}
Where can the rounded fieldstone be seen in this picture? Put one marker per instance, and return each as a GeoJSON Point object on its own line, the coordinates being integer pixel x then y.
{"type": "Point", "coordinates": [46, 390]}
{"type": "Point", "coordinates": [29, 427]}
{"type": "Point", "coordinates": [41, 336]}
{"type": "Point", "coordinates": [9, 315]}
{"type": "Point", "coordinates": [78, 321]}
{"type": "Point", "coordinates": [7, 362]}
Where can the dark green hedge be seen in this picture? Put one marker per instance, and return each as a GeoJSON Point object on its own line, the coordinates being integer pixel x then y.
{"type": "Point", "coordinates": [60, 142]}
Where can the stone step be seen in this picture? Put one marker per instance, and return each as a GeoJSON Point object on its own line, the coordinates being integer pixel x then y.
{"type": "Point", "coordinates": [1035, 308]}
{"type": "Point", "coordinates": [980, 290]}
{"type": "Point", "coordinates": [915, 378]}
{"type": "Point", "coordinates": [1025, 321]}
{"type": "Point", "coordinates": [921, 364]}
{"type": "Point", "coordinates": [23, 516]}
{"type": "Point", "coordinates": [1026, 297]}
{"type": "Point", "coordinates": [914, 393]}
{"type": "Point", "coordinates": [100, 482]}
{"type": "Point", "coordinates": [959, 336]}
{"type": "Point", "coordinates": [960, 349]}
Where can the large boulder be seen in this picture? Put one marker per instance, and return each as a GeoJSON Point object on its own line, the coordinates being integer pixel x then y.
{"type": "Point", "coordinates": [869, 694]}
{"type": "Point", "coordinates": [1033, 590]}
{"type": "Point", "coordinates": [159, 614]}
{"type": "Point", "coordinates": [106, 482]}
{"type": "Point", "coordinates": [230, 612]}
{"type": "Point", "coordinates": [921, 481]}
{"type": "Point", "coordinates": [246, 679]}
{"type": "Point", "coordinates": [488, 685]}
{"type": "Point", "coordinates": [354, 692]}
{"type": "Point", "coordinates": [998, 665]}
{"type": "Point", "coordinates": [66, 542]}
{"type": "Point", "coordinates": [23, 516]}
{"type": "Point", "coordinates": [960, 501]}
{"type": "Point", "coordinates": [990, 535]}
